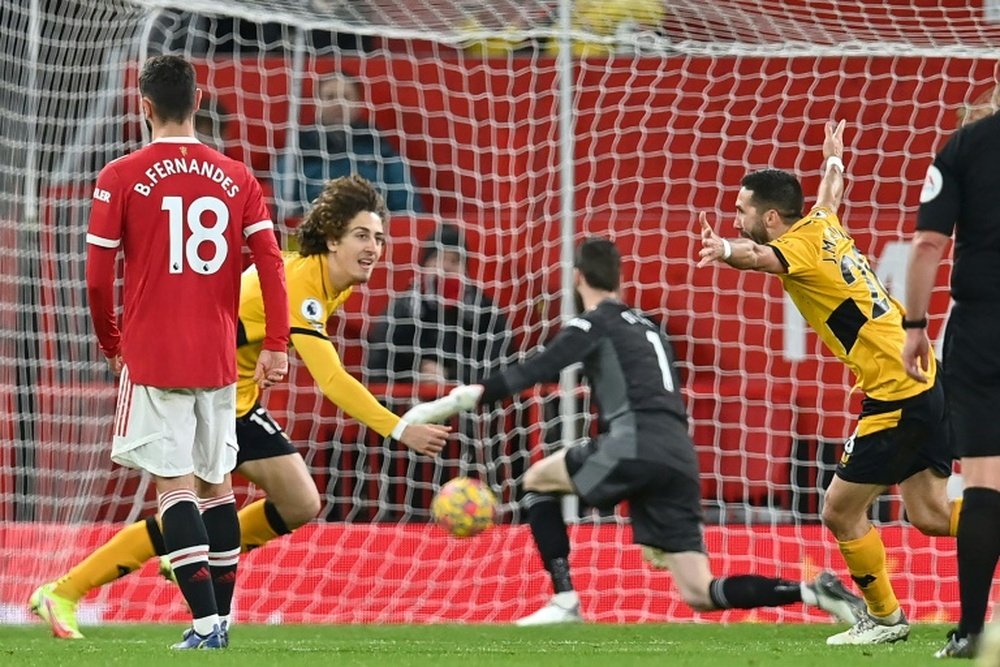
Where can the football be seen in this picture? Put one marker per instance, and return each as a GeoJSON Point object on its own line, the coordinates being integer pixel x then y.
{"type": "Point", "coordinates": [464, 507]}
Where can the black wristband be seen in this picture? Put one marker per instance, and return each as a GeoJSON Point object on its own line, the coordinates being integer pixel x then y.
{"type": "Point", "coordinates": [915, 324]}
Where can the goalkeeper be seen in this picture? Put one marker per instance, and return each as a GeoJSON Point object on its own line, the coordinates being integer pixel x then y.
{"type": "Point", "coordinates": [644, 455]}
{"type": "Point", "coordinates": [340, 239]}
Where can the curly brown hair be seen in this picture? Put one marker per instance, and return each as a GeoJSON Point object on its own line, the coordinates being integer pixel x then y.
{"type": "Point", "coordinates": [327, 219]}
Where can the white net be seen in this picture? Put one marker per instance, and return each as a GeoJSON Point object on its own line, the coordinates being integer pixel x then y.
{"type": "Point", "coordinates": [453, 109]}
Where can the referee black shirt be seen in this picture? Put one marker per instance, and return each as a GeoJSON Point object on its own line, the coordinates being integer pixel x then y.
{"type": "Point", "coordinates": [961, 194]}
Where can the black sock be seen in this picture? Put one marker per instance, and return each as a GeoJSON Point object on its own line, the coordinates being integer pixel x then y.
{"type": "Point", "coordinates": [155, 536]}
{"type": "Point", "coordinates": [223, 527]}
{"type": "Point", "coordinates": [274, 519]}
{"type": "Point", "coordinates": [978, 549]}
{"type": "Point", "coordinates": [186, 542]}
{"type": "Point", "coordinates": [549, 531]}
{"type": "Point", "coordinates": [748, 591]}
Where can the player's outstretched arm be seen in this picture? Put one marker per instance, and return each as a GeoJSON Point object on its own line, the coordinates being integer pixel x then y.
{"type": "Point", "coordinates": [740, 254]}
{"type": "Point", "coordinates": [831, 188]}
{"type": "Point", "coordinates": [344, 391]}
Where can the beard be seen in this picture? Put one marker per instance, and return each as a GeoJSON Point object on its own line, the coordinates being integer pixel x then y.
{"type": "Point", "coordinates": [757, 233]}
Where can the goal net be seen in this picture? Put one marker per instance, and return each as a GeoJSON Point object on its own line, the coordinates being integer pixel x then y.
{"type": "Point", "coordinates": [455, 109]}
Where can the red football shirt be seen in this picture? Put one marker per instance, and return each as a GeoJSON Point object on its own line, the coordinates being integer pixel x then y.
{"type": "Point", "coordinates": [180, 212]}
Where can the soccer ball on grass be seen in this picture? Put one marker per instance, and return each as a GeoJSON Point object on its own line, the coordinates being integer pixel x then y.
{"type": "Point", "coordinates": [464, 507]}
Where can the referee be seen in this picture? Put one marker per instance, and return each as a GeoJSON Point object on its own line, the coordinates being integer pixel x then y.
{"type": "Point", "coordinates": [961, 195]}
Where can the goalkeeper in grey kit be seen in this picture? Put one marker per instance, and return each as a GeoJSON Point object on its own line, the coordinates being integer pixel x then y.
{"type": "Point", "coordinates": [643, 455]}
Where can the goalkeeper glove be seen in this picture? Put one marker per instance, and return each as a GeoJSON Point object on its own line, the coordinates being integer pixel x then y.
{"type": "Point", "coordinates": [461, 399]}
{"type": "Point", "coordinates": [467, 395]}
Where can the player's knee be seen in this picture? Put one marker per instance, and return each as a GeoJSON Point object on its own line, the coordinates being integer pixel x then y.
{"type": "Point", "coordinates": [834, 519]}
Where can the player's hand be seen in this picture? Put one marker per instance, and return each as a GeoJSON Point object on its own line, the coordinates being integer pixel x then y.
{"type": "Point", "coordinates": [833, 144]}
{"type": "Point", "coordinates": [115, 364]}
{"type": "Point", "coordinates": [427, 439]}
{"type": "Point", "coordinates": [272, 366]}
{"type": "Point", "coordinates": [712, 247]}
{"type": "Point", "coordinates": [917, 354]}
{"type": "Point", "coordinates": [467, 396]}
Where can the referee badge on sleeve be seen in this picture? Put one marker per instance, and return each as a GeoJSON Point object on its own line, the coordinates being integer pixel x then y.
{"type": "Point", "coordinates": [932, 185]}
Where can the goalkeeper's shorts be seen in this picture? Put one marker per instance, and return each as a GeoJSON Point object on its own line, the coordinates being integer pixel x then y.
{"type": "Point", "coordinates": [664, 497]}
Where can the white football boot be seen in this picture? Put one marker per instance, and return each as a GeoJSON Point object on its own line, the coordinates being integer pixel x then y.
{"type": "Point", "coordinates": [869, 631]}
{"type": "Point", "coordinates": [561, 608]}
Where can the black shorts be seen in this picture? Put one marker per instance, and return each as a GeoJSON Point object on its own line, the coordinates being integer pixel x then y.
{"type": "Point", "coordinates": [664, 500]}
{"type": "Point", "coordinates": [895, 440]}
{"type": "Point", "coordinates": [972, 378]}
{"type": "Point", "coordinates": [260, 437]}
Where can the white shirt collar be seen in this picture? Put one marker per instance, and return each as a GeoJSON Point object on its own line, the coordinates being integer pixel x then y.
{"type": "Point", "coordinates": [176, 140]}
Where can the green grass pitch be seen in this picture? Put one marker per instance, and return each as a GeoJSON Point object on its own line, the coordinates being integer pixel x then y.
{"type": "Point", "coordinates": [682, 645]}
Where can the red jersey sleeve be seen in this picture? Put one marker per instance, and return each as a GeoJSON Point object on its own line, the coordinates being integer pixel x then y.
{"type": "Point", "coordinates": [103, 238]}
{"type": "Point", "coordinates": [107, 213]}
{"type": "Point", "coordinates": [259, 232]}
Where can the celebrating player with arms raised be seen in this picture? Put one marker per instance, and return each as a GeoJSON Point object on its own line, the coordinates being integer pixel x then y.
{"type": "Point", "coordinates": [901, 436]}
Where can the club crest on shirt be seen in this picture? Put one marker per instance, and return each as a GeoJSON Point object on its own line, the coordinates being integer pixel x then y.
{"type": "Point", "coordinates": [312, 310]}
{"type": "Point", "coordinates": [932, 185]}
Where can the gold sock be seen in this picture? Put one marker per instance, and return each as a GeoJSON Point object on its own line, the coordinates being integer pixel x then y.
{"type": "Point", "coordinates": [865, 559]}
{"type": "Point", "coordinates": [127, 550]}
{"type": "Point", "coordinates": [255, 527]}
{"type": "Point", "coordinates": [956, 510]}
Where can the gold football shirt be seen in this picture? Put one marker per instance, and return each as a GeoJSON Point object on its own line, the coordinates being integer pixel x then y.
{"type": "Point", "coordinates": [833, 286]}
{"type": "Point", "coordinates": [312, 299]}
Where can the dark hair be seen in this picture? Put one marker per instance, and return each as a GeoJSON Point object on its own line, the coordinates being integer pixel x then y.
{"type": "Point", "coordinates": [446, 237]}
{"type": "Point", "coordinates": [331, 212]}
{"type": "Point", "coordinates": [599, 261]}
{"type": "Point", "coordinates": [169, 83]}
{"type": "Point", "coordinates": [773, 188]}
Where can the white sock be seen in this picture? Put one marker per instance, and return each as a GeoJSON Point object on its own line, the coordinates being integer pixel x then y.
{"type": "Point", "coordinates": [566, 599]}
{"type": "Point", "coordinates": [204, 626]}
{"type": "Point", "coordinates": [808, 594]}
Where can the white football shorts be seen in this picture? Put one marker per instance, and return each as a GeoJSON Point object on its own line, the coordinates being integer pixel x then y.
{"type": "Point", "coordinates": [175, 432]}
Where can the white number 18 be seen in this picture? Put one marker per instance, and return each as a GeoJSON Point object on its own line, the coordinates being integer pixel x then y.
{"type": "Point", "coordinates": [216, 234]}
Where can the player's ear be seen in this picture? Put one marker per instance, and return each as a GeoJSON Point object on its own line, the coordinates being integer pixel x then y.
{"type": "Point", "coordinates": [147, 108]}
{"type": "Point", "coordinates": [331, 245]}
{"type": "Point", "coordinates": [197, 101]}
